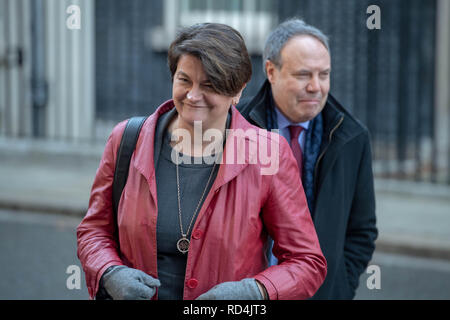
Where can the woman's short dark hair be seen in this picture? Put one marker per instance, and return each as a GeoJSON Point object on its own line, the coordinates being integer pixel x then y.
{"type": "Point", "coordinates": [222, 51]}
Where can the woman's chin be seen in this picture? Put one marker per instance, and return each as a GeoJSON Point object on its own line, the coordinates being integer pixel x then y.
{"type": "Point", "coordinates": [192, 117]}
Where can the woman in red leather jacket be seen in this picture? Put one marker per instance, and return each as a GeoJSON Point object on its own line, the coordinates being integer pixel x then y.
{"type": "Point", "coordinates": [195, 214]}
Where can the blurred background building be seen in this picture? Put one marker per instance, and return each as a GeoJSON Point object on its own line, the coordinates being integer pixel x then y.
{"type": "Point", "coordinates": [71, 69]}
{"type": "Point", "coordinates": [73, 82]}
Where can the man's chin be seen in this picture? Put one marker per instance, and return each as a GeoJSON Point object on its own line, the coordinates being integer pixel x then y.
{"type": "Point", "coordinates": [309, 112]}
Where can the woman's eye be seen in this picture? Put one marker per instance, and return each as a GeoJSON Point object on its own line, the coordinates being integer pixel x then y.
{"type": "Point", "coordinates": [182, 79]}
{"type": "Point", "coordinates": [208, 87]}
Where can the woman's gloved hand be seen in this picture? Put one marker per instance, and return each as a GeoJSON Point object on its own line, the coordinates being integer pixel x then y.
{"type": "Point", "coordinates": [246, 289]}
{"type": "Point", "coordinates": [123, 283]}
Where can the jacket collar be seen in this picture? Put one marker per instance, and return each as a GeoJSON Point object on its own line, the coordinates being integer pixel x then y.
{"type": "Point", "coordinates": [228, 171]}
{"type": "Point", "coordinates": [256, 108]}
{"type": "Point", "coordinates": [145, 147]}
{"type": "Point", "coordinates": [335, 115]}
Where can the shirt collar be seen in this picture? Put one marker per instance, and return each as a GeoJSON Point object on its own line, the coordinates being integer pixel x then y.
{"type": "Point", "coordinates": [284, 122]}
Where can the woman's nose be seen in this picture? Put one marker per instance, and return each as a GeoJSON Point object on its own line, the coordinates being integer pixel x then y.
{"type": "Point", "coordinates": [194, 94]}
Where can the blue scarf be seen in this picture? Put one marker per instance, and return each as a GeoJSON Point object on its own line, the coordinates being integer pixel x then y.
{"type": "Point", "coordinates": [313, 141]}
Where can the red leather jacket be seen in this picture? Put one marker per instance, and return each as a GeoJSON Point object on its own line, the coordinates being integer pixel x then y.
{"type": "Point", "coordinates": [230, 233]}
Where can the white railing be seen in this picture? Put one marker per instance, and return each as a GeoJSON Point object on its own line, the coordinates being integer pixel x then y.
{"type": "Point", "coordinates": [68, 72]}
{"type": "Point", "coordinates": [15, 68]}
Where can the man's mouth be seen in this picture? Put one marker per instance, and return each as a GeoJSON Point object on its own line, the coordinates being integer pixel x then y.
{"type": "Point", "coordinates": [310, 100]}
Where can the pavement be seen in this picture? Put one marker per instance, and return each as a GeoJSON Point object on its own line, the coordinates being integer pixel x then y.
{"type": "Point", "coordinates": [56, 177]}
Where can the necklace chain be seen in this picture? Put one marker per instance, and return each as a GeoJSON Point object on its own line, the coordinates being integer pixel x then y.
{"type": "Point", "coordinates": [184, 235]}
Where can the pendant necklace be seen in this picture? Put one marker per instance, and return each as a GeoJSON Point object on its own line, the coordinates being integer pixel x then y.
{"type": "Point", "coordinates": [183, 242]}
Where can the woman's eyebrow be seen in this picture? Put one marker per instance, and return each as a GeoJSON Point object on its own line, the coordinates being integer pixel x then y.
{"type": "Point", "coordinates": [181, 73]}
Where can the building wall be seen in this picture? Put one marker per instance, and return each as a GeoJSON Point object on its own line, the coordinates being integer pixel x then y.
{"type": "Point", "coordinates": [384, 76]}
{"type": "Point", "coordinates": [74, 85]}
{"type": "Point", "coordinates": [131, 79]}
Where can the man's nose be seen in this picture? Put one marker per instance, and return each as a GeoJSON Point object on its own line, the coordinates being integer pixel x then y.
{"type": "Point", "coordinates": [313, 84]}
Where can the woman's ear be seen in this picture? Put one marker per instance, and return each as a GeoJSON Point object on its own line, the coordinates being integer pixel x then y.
{"type": "Point", "coordinates": [237, 97]}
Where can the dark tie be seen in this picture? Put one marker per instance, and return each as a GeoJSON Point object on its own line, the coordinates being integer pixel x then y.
{"type": "Point", "coordinates": [295, 146]}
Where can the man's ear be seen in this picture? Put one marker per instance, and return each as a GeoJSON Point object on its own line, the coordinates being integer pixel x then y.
{"type": "Point", "coordinates": [271, 70]}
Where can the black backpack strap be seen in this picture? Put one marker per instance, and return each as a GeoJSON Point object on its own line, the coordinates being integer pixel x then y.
{"type": "Point", "coordinates": [124, 153]}
{"type": "Point", "coordinates": [126, 148]}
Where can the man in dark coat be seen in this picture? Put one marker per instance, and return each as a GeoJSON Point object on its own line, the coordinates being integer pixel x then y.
{"type": "Point", "coordinates": [332, 150]}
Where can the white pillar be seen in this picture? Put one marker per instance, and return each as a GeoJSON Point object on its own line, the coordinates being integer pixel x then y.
{"type": "Point", "coordinates": [2, 67]}
{"type": "Point", "coordinates": [12, 120]}
{"type": "Point", "coordinates": [25, 71]}
{"type": "Point", "coordinates": [442, 92]}
{"type": "Point", "coordinates": [87, 52]}
{"type": "Point", "coordinates": [70, 69]}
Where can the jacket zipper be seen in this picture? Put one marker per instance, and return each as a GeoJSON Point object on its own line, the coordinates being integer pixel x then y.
{"type": "Point", "coordinates": [323, 152]}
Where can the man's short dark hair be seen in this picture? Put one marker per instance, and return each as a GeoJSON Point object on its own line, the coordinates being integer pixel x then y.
{"type": "Point", "coordinates": [278, 38]}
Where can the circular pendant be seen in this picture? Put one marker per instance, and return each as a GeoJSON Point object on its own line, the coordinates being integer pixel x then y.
{"type": "Point", "coordinates": [183, 245]}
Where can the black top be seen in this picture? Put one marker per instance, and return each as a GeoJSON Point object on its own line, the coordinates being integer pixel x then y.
{"type": "Point", "coordinates": [193, 178]}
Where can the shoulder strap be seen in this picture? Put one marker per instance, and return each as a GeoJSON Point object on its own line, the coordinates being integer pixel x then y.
{"type": "Point", "coordinates": [124, 153]}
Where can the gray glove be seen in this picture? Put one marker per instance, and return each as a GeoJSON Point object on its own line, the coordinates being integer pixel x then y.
{"type": "Point", "coordinates": [123, 283]}
{"type": "Point", "coordinates": [246, 289]}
